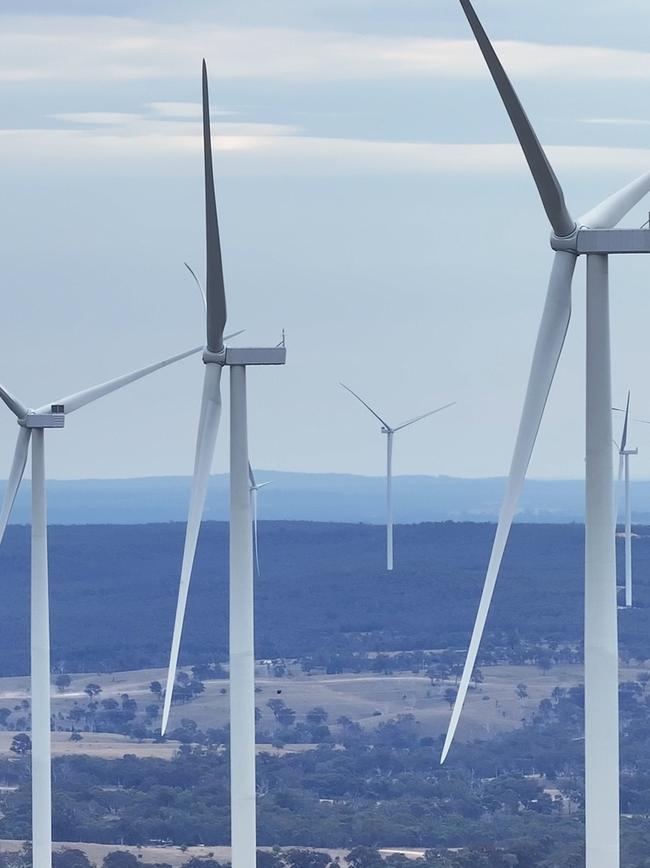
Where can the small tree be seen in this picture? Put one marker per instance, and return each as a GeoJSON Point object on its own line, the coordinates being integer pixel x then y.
{"type": "Point", "coordinates": [450, 696]}
{"type": "Point", "coordinates": [156, 688]}
{"type": "Point", "coordinates": [62, 681]}
{"type": "Point", "coordinates": [92, 690]}
{"type": "Point", "coordinates": [364, 857]}
{"type": "Point", "coordinates": [71, 859]}
{"type": "Point", "coordinates": [298, 858]}
{"type": "Point", "coordinates": [522, 692]}
{"type": "Point", "coordinates": [120, 859]}
{"type": "Point", "coordinates": [316, 716]}
{"type": "Point", "coordinates": [286, 716]}
{"type": "Point", "coordinates": [265, 859]}
{"type": "Point", "coordinates": [21, 744]}
{"type": "Point", "coordinates": [276, 705]}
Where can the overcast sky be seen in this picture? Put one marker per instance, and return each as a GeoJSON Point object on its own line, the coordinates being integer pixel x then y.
{"type": "Point", "coordinates": [372, 202]}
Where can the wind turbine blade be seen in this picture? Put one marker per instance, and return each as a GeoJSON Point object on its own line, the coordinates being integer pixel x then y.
{"type": "Point", "coordinates": [611, 210]}
{"type": "Point", "coordinates": [80, 399]}
{"type": "Point", "coordinates": [423, 416]}
{"type": "Point", "coordinates": [545, 179]}
{"type": "Point", "coordinates": [548, 348]}
{"type": "Point", "coordinates": [251, 475]}
{"type": "Point", "coordinates": [261, 485]}
{"type": "Point", "coordinates": [367, 406]}
{"type": "Point", "coordinates": [13, 403]}
{"type": "Point", "coordinates": [627, 413]}
{"type": "Point", "coordinates": [15, 477]}
{"type": "Point", "coordinates": [621, 461]}
{"type": "Point", "coordinates": [198, 283]}
{"type": "Point", "coordinates": [205, 444]}
{"type": "Point", "coordinates": [215, 290]}
{"type": "Point", "coordinates": [234, 334]}
{"type": "Point", "coordinates": [255, 545]}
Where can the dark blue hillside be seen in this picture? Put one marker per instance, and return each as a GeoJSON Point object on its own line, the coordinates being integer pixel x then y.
{"type": "Point", "coordinates": [323, 590]}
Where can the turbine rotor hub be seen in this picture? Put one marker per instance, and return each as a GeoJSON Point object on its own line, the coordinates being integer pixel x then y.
{"type": "Point", "coordinates": [566, 243]}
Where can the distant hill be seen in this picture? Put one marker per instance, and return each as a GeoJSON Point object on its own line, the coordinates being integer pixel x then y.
{"type": "Point", "coordinates": [316, 497]}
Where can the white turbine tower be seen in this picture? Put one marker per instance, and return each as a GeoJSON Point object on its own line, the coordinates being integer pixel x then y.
{"type": "Point", "coordinates": [242, 662]}
{"type": "Point", "coordinates": [254, 487]}
{"type": "Point", "coordinates": [624, 453]}
{"type": "Point", "coordinates": [390, 432]}
{"type": "Point", "coordinates": [33, 424]}
{"type": "Point", "coordinates": [594, 236]}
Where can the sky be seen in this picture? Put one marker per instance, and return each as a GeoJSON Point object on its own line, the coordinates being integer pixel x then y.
{"type": "Point", "coordinates": [372, 202]}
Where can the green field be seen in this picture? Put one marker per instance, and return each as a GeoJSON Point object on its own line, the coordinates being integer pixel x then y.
{"type": "Point", "coordinates": [366, 698]}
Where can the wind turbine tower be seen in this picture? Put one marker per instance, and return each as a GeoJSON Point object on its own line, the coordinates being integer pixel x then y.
{"type": "Point", "coordinates": [216, 357]}
{"type": "Point", "coordinates": [593, 235]}
{"type": "Point", "coordinates": [32, 427]}
{"type": "Point", "coordinates": [624, 453]}
{"type": "Point", "coordinates": [254, 488]}
{"type": "Point", "coordinates": [390, 433]}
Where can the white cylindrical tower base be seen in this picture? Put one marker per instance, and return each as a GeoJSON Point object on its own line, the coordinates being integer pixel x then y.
{"type": "Point", "coordinates": [242, 660]}
{"type": "Point", "coordinates": [40, 665]}
{"type": "Point", "coordinates": [389, 500]}
{"type": "Point", "coordinates": [601, 632]}
{"type": "Point", "coordinates": [628, 535]}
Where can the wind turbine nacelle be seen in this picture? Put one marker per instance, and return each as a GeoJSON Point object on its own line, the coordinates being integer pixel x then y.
{"type": "Point", "coordinates": [608, 241]}
{"type": "Point", "coordinates": [256, 355]}
{"type": "Point", "coordinates": [54, 419]}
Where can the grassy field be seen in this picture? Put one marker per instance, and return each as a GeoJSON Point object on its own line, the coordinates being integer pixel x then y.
{"type": "Point", "coordinates": [367, 699]}
{"type": "Point", "coordinates": [175, 857]}
{"type": "Point", "coordinates": [106, 744]}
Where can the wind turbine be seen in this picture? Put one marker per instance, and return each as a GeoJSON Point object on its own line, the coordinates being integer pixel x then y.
{"type": "Point", "coordinates": [241, 640]}
{"type": "Point", "coordinates": [32, 427]}
{"type": "Point", "coordinates": [594, 236]}
{"type": "Point", "coordinates": [624, 470]}
{"type": "Point", "coordinates": [254, 487]}
{"type": "Point", "coordinates": [390, 432]}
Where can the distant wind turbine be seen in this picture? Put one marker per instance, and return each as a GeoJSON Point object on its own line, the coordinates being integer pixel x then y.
{"type": "Point", "coordinates": [594, 235]}
{"type": "Point", "coordinates": [241, 640]}
{"type": "Point", "coordinates": [33, 424]}
{"type": "Point", "coordinates": [390, 432]}
{"type": "Point", "coordinates": [624, 470]}
{"type": "Point", "coordinates": [254, 488]}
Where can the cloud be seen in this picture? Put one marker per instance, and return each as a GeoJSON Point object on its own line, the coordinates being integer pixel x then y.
{"type": "Point", "coordinates": [616, 122]}
{"type": "Point", "coordinates": [86, 49]}
{"type": "Point", "coordinates": [96, 118]}
{"type": "Point", "coordinates": [186, 110]}
{"type": "Point", "coordinates": [265, 148]}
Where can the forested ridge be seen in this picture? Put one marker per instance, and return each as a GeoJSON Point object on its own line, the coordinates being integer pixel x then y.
{"type": "Point", "coordinates": [323, 588]}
